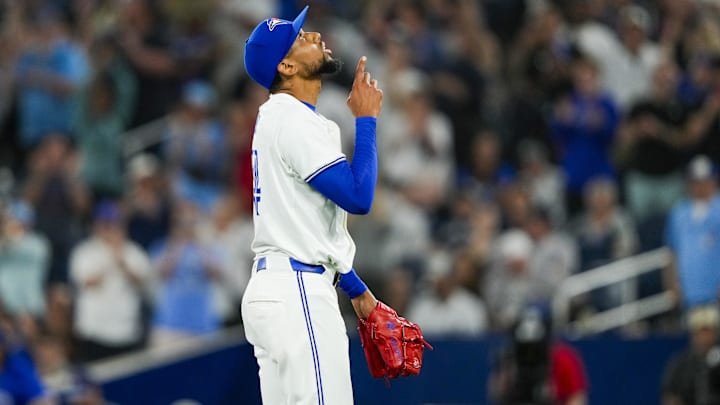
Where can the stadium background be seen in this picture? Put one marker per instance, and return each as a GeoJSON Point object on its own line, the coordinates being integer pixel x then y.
{"type": "Point", "coordinates": [521, 142]}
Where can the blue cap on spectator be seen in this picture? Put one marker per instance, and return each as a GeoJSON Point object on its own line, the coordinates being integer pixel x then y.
{"type": "Point", "coordinates": [108, 211]}
{"type": "Point", "coordinates": [267, 46]}
{"type": "Point", "coordinates": [21, 212]}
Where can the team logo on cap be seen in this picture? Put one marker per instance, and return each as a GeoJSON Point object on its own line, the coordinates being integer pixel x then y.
{"type": "Point", "coordinates": [274, 22]}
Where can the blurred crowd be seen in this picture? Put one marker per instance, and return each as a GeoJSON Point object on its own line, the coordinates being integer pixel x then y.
{"type": "Point", "coordinates": [521, 142]}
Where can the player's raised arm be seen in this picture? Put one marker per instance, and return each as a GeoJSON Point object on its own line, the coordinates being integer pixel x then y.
{"type": "Point", "coordinates": [365, 99]}
{"type": "Point", "coordinates": [352, 186]}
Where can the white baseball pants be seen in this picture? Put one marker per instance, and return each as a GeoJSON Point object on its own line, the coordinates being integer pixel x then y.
{"type": "Point", "coordinates": [293, 321]}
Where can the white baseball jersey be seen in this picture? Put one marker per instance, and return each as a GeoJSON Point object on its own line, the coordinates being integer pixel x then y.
{"type": "Point", "coordinates": [291, 145]}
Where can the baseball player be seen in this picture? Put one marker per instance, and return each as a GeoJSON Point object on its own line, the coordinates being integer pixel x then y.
{"type": "Point", "coordinates": [303, 189]}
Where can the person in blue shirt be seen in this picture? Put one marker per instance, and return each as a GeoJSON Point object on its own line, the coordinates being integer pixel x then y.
{"type": "Point", "coordinates": [195, 147]}
{"type": "Point", "coordinates": [693, 235]}
{"type": "Point", "coordinates": [50, 70]}
{"type": "Point", "coordinates": [19, 381]}
{"type": "Point", "coordinates": [583, 127]}
{"type": "Point", "coordinates": [186, 268]}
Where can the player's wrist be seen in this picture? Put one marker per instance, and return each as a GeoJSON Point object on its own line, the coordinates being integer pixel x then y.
{"type": "Point", "coordinates": [351, 284]}
{"type": "Point", "coordinates": [364, 304]}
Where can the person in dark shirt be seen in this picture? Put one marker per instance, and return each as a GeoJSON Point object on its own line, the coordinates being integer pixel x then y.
{"type": "Point", "coordinates": [60, 199]}
{"type": "Point", "coordinates": [538, 369]}
{"type": "Point", "coordinates": [649, 148]}
{"type": "Point", "coordinates": [687, 379]}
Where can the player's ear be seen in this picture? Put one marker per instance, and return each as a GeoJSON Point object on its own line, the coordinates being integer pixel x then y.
{"type": "Point", "coordinates": [286, 67]}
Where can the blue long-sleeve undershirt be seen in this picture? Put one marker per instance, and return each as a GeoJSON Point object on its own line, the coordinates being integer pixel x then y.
{"type": "Point", "coordinates": [352, 186]}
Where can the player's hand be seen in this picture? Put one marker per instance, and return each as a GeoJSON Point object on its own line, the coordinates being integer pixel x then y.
{"type": "Point", "coordinates": [365, 99]}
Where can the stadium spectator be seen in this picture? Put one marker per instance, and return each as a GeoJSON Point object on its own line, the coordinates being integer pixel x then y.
{"type": "Point", "coordinates": [67, 384]}
{"type": "Point", "coordinates": [554, 258]}
{"type": "Point", "coordinates": [487, 171]}
{"type": "Point", "coordinates": [239, 127]}
{"type": "Point", "coordinates": [691, 234]}
{"type": "Point", "coordinates": [508, 286]}
{"type": "Point", "coordinates": [147, 203]}
{"type": "Point", "coordinates": [145, 41]}
{"type": "Point", "coordinates": [186, 269]}
{"type": "Point", "coordinates": [650, 147]}
{"type": "Point", "coordinates": [194, 45]}
{"type": "Point", "coordinates": [540, 63]}
{"type": "Point", "coordinates": [426, 50]}
{"type": "Point", "coordinates": [514, 201]}
{"type": "Point", "coordinates": [24, 262]}
{"type": "Point", "coordinates": [418, 149]}
{"type": "Point", "coordinates": [485, 225]}
{"type": "Point", "coordinates": [103, 114]}
{"type": "Point", "coordinates": [686, 378]}
{"type": "Point", "coordinates": [604, 233]}
{"type": "Point", "coordinates": [60, 199]}
{"type": "Point", "coordinates": [537, 368]}
{"type": "Point", "coordinates": [19, 381]}
{"type": "Point", "coordinates": [396, 232]}
{"type": "Point", "coordinates": [545, 181]}
{"type": "Point", "coordinates": [583, 128]}
{"type": "Point", "coordinates": [628, 60]}
{"type": "Point", "coordinates": [398, 290]}
{"type": "Point", "coordinates": [447, 308]}
{"type": "Point", "coordinates": [196, 149]}
{"type": "Point", "coordinates": [109, 273]}
{"type": "Point", "coordinates": [456, 229]}
{"type": "Point", "coordinates": [50, 71]}
{"type": "Point", "coordinates": [702, 132]}
{"type": "Point", "coordinates": [230, 232]}
{"type": "Point", "coordinates": [51, 359]}
{"type": "Point", "coordinates": [469, 74]}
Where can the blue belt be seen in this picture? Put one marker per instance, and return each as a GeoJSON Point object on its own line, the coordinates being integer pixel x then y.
{"type": "Point", "coordinates": [295, 265]}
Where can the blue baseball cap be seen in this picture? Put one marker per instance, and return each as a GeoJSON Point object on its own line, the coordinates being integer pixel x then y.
{"type": "Point", "coordinates": [108, 212]}
{"type": "Point", "coordinates": [21, 212]}
{"type": "Point", "coordinates": [268, 44]}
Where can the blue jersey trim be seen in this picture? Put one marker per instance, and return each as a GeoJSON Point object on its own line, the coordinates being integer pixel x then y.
{"type": "Point", "coordinates": [311, 337]}
{"type": "Point", "coordinates": [310, 106]}
{"type": "Point", "coordinates": [324, 167]}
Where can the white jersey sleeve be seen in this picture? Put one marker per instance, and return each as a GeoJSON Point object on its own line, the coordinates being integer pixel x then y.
{"type": "Point", "coordinates": [310, 147]}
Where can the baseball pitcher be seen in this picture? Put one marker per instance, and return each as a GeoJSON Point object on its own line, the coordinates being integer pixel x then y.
{"type": "Point", "coordinates": [303, 189]}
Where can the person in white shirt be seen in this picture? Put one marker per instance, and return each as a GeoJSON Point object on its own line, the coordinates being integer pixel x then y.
{"type": "Point", "coordinates": [108, 273]}
{"type": "Point", "coordinates": [230, 232]}
{"type": "Point", "coordinates": [626, 61]}
{"type": "Point", "coordinates": [448, 308]}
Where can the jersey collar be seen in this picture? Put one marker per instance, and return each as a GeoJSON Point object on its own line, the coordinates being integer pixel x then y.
{"type": "Point", "coordinates": [310, 106]}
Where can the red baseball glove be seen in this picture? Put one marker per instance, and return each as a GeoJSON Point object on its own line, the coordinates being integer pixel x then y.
{"type": "Point", "coordinates": [393, 345]}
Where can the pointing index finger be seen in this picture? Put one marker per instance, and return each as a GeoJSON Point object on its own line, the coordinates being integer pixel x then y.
{"type": "Point", "coordinates": [360, 68]}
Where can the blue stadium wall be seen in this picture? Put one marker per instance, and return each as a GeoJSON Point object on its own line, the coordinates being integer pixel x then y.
{"type": "Point", "coordinates": [620, 371]}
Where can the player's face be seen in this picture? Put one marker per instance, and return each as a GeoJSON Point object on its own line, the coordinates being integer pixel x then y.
{"type": "Point", "coordinates": [313, 58]}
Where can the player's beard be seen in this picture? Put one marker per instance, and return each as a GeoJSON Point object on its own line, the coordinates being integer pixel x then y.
{"type": "Point", "coordinates": [328, 66]}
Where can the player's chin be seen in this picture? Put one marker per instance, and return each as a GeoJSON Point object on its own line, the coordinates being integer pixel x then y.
{"type": "Point", "coordinates": [330, 65]}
